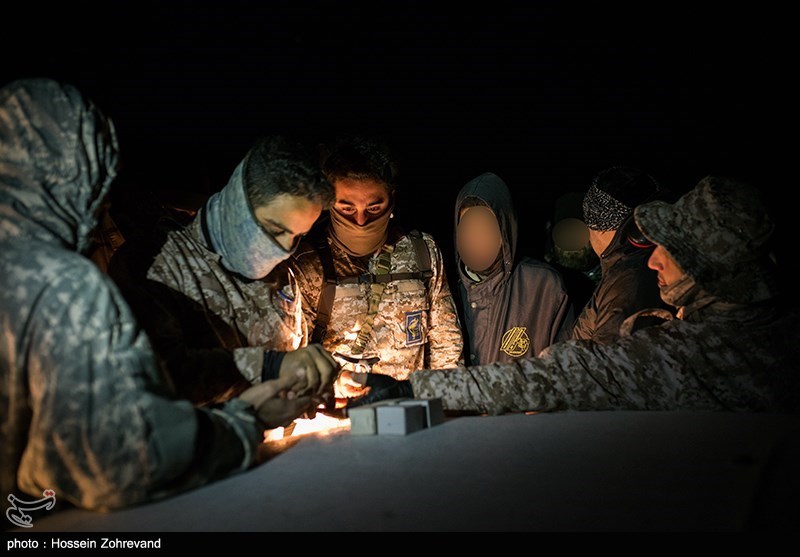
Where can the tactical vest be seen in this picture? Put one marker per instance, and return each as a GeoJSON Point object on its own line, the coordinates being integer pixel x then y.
{"type": "Point", "coordinates": [377, 280]}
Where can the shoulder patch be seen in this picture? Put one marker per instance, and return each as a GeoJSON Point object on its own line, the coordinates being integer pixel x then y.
{"type": "Point", "coordinates": [413, 327]}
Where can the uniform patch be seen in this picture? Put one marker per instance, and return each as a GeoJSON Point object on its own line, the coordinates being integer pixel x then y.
{"type": "Point", "coordinates": [515, 342]}
{"type": "Point", "coordinates": [413, 327]}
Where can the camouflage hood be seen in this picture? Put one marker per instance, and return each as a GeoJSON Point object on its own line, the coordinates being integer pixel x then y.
{"type": "Point", "coordinates": [58, 157]}
{"type": "Point", "coordinates": [718, 234]}
{"type": "Point", "coordinates": [491, 189]}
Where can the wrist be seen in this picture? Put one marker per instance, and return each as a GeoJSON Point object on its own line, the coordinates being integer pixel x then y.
{"type": "Point", "coordinates": [271, 367]}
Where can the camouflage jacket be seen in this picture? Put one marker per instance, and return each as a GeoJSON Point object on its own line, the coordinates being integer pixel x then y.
{"type": "Point", "coordinates": [720, 357]}
{"type": "Point", "coordinates": [404, 306]}
{"type": "Point", "coordinates": [86, 409]}
{"type": "Point", "coordinates": [213, 326]}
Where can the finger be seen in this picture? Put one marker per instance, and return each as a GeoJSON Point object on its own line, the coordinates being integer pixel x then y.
{"type": "Point", "coordinates": [297, 407]}
{"type": "Point", "coordinates": [302, 364]}
{"type": "Point", "coordinates": [291, 362]}
{"type": "Point", "coordinates": [327, 355]}
{"type": "Point", "coordinates": [325, 364]}
{"type": "Point", "coordinates": [257, 394]}
{"type": "Point", "coordinates": [288, 382]}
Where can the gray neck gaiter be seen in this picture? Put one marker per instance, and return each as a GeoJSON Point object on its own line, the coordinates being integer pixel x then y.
{"type": "Point", "coordinates": [235, 234]}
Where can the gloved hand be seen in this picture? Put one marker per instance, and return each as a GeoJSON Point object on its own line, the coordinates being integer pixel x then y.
{"type": "Point", "coordinates": [318, 369]}
{"type": "Point", "coordinates": [276, 402]}
{"type": "Point", "coordinates": [383, 387]}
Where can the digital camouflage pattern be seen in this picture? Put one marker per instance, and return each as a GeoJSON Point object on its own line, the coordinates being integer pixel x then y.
{"type": "Point", "coordinates": [213, 325]}
{"type": "Point", "coordinates": [720, 357]}
{"type": "Point", "coordinates": [413, 329]}
{"type": "Point", "coordinates": [86, 410]}
{"type": "Point", "coordinates": [740, 355]}
{"type": "Point", "coordinates": [718, 234]}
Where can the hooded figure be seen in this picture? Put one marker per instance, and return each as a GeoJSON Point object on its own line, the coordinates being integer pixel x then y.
{"type": "Point", "coordinates": [86, 411]}
{"type": "Point", "coordinates": [514, 307]}
{"type": "Point", "coordinates": [731, 347]}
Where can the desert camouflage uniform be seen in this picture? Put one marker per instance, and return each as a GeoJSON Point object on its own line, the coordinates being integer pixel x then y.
{"type": "Point", "coordinates": [214, 325]}
{"type": "Point", "coordinates": [86, 410]}
{"type": "Point", "coordinates": [732, 348]}
{"type": "Point", "coordinates": [401, 347]}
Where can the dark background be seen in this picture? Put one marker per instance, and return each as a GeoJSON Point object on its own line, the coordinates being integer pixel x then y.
{"type": "Point", "coordinates": [545, 94]}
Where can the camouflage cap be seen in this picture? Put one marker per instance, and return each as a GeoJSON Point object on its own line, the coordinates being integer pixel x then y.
{"type": "Point", "coordinates": [718, 234]}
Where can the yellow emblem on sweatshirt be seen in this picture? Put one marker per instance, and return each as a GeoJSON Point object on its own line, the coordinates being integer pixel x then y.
{"type": "Point", "coordinates": [515, 342]}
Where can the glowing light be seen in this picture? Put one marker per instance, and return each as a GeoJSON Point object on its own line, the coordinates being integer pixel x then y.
{"type": "Point", "coordinates": [320, 425]}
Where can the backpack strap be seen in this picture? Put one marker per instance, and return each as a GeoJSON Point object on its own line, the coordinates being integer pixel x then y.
{"type": "Point", "coordinates": [382, 276]}
{"type": "Point", "coordinates": [423, 255]}
{"type": "Point", "coordinates": [328, 292]}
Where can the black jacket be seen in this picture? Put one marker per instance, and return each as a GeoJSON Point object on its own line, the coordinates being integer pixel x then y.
{"type": "Point", "coordinates": [626, 286]}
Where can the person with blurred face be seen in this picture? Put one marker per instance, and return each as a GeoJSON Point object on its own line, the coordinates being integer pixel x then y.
{"type": "Point", "coordinates": [731, 347]}
{"type": "Point", "coordinates": [218, 303]}
{"type": "Point", "coordinates": [513, 306]}
{"type": "Point", "coordinates": [87, 409]}
{"type": "Point", "coordinates": [374, 294]}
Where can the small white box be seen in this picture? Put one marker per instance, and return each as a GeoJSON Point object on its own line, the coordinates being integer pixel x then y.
{"type": "Point", "coordinates": [400, 419]}
{"type": "Point", "coordinates": [363, 420]}
{"type": "Point", "coordinates": [434, 412]}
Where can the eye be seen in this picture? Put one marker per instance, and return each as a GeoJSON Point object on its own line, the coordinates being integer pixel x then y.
{"type": "Point", "coordinates": [375, 209]}
{"type": "Point", "coordinates": [346, 209]}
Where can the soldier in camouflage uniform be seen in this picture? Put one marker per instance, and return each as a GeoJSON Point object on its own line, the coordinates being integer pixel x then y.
{"type": "Point", "coordinates": [732, 347]}
{"type": "Point", "coordinates": [218, 304]}
{"type": "Point", "coordinates": [410, 321]}
{"type": "Point", "coordinates": [86, 409]}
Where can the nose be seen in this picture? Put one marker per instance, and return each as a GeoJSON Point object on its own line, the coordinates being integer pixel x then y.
{"type": "Point", "coordinates": [653, 262]}
{"type": "Point", "coordinates": [361, 218]}
{"type": "Point", "coordinates": [287, 243]}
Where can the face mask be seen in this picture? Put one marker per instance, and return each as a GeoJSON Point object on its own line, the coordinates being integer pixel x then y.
{"type": "Point", "coordinates": [680, 292]}
{"type": "Point", "coordinates": [235, 234]}
{"type": "Point", "coordinates": [357, 240]}
{"type": "Point", "coordinates": [478, 238]}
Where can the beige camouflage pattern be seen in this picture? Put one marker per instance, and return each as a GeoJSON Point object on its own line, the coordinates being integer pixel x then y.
{"type": "Point", "coordinates": [264, 314]}
{"type": "Point", "coordinates": [733, 347]}
{"type": "Point", "coordinates": [85, 408]}
{"type": "Point", "coordinates": [721, 358]}
{"type": "Point", "coordinates": [401, 349]}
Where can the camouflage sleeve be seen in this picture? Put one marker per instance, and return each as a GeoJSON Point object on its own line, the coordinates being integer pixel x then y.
{"type": "Point", "coordinates": [573, 375]}
{"type": "Point", "coordinates": [202, 371]}
{"type": "Point", "coordinates": [106, 432]}
{"type": "Point", "coordinates": [445, 342]}
{"type": "Point", "coordinates": [308, 273]}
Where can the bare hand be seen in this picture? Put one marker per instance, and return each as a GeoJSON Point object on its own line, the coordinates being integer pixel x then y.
{"type": "Point", "coordinates": [316, 367]}
{"type": "Point", "coordinates": [350, 385]}
{"type": "Point", "coordinates": [276, 402]}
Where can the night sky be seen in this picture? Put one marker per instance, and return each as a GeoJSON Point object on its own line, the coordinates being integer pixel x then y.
{"type": "Point", "coordinates": [544, 94]}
